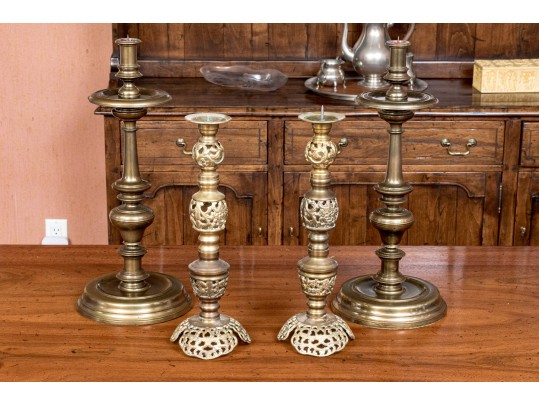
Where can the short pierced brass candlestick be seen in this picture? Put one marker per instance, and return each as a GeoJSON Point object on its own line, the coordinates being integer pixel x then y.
{"type": "Point", "coordinates": [132, 296]}
{"type": "Point", "coordinates": [388, 299]}
{"type": "Point", "coordinates": [316, 332]}
{"type": "Point", "coordinates": [210, 334]}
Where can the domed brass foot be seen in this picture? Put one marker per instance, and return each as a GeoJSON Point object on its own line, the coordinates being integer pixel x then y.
{"type": "Point", "coordinates": [317, 338]}
{"type": "Point", "coordinates": [209, 338]}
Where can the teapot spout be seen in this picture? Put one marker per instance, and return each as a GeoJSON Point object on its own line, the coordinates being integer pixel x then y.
{"type": "Point", "coordinates": [347, 52]}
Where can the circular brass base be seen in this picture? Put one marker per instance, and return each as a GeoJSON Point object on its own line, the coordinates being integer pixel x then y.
{"type": "Point", "coordinates": [420, 304]}
{"type": "Point", "coordinates": [103, 301]}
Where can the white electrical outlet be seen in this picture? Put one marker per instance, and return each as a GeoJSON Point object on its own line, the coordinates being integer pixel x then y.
{"type": "Point", "coordinates": [55, 232]}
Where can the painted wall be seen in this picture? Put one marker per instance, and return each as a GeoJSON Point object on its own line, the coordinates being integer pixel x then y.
{"type": "Point", "coordinates": [52, 153]}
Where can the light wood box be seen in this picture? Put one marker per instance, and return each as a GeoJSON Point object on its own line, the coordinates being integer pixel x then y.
{"type": "Point", "coordinates": [506, 76]}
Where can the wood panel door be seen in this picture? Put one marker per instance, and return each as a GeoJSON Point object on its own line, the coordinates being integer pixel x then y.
{"type": "Point", "coordinates": [526, 230]}
{"type": "Point", "coordinates": [245, 195]}
{"type": "Point", "coordinates": [449, 208]}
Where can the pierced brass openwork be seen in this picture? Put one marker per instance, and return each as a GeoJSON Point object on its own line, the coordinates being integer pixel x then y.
{"type": "Point", "coordinates": [210, 334]}
{"type": "Point", "coordinates": [316, 332]}
{"type": "Point", "coordinates": [388, 299]}
{"type": "Point", "coordinates": [132, 296]}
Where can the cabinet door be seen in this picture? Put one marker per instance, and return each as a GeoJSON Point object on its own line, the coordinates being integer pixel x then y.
{"type": "Point", "coordinates": [245, 195]}
{"type": "Point", "coordinates": [526, 230]}
{"type": "Point", "coordinates": [449, 208]}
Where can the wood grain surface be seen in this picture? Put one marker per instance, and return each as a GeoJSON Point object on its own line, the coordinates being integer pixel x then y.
{"type": "Point", "coordinates": [489, 334]}
{"type": "Point", "coordinates": [180, 49]}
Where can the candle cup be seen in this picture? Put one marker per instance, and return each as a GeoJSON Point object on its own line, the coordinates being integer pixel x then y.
{"type": "Point", "coordinates": [316, 332]}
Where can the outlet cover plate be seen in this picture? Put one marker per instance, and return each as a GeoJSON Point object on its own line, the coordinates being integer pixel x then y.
{"type": "Point", "coordinates": [55, 232]}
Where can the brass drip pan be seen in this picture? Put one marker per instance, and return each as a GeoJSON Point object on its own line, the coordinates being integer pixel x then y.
{"type": "Point", "coordinates": [415, 101]}
{"type": "Point", "coordinates": [147, 98]}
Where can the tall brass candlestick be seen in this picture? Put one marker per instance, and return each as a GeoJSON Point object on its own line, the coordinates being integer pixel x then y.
{"type": "Point", "coordinates": [388, 299]}
{"type": "Point", "coordinates": [316, 332]}
{"type": "Point", "coordinates": [210, 334]}
{"type": "Point", "coordinates": [132, 296]}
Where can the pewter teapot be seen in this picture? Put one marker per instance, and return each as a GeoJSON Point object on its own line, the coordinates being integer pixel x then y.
{"type": "Point", "coordinates": [370, 55]}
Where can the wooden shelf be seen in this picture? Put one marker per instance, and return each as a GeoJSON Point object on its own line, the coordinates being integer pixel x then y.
{"type": "Point", "coordinates": [456, 96]}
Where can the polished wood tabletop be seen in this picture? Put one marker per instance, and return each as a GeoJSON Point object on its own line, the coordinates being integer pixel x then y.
{"type": "Point", "coordinates": [490, 333]}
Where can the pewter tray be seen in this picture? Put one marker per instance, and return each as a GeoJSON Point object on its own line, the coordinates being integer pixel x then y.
{"type": "Point", "coordinates": [353, 88]}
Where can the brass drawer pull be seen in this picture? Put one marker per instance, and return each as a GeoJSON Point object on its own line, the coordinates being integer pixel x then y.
{"type": "Point", "coordinates": [291, 231]}
{"type": "Point", "coordinates": [343, 143]}
{"type": "Point", "coordinates": [180, 143]}
{"type": "Point", "coordinates": [447, 144]}
{"type": "Point", "coordinates": [259, 231]}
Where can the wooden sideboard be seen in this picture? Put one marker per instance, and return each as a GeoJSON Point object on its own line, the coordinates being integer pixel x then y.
{"type": "Point", "coordinates": [489, 333]}
{"type": "Point", "coordinates": [488, 197]}
{"type": "Point", "coordinates": [483, 198]}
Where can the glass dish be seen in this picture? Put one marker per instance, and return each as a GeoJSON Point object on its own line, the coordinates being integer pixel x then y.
{"type": "Point", "coordinates": [244, 77]}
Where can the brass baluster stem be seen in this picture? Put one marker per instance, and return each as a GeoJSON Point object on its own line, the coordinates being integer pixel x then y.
{"type": "Point", "coordinates": [131, 217]}
{"type": "Point", "coordinates": [392, 220]}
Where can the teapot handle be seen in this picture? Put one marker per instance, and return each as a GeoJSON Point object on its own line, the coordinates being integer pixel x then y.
{"type": "Point", "coordinates": [408, 33]}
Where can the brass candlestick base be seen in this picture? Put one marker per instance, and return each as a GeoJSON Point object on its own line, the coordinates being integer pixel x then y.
{"type": "Point", "coordinates": [208, 340]}
{"type": "Point", "coordinates": [389, 300]}
{"type": "Point", "coordinates": [132, 296]}
{"type": "Point", "coordinates": [315, 332]}
{"type": "Point", "coordinates": [418, 305]}
{"type": "Point", "coordinates": [103, 301]}
{"type": "Point", "coordinates": [208, 335]}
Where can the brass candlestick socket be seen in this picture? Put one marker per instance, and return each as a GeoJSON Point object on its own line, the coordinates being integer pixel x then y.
{"type": "Point", "coordinates": [388, 299]}
{"type": "Point", "coordinates": [210, 334]}
{"type": "Point", "coordinates": [132, 296]}
{"type": "Point", "coordinates": [316, 332]}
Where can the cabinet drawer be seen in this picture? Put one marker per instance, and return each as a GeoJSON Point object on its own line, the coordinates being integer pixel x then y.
{"type": "Point", "coordinates": [530, 144]}
{"type": "Point", "coordinates": [245, 142]}
{"type": "Point", "coordinates": [368, 142]}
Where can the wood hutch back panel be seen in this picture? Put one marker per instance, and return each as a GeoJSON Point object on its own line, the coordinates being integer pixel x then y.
{"type": "Point", "coordinates": [440, 50]}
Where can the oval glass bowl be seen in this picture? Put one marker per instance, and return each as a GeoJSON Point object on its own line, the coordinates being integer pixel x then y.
{"type": "Point", "coordinates": [243, 77]}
